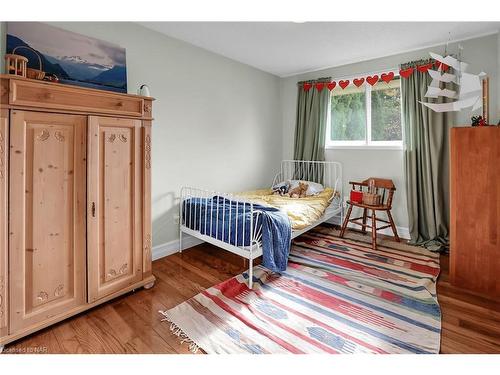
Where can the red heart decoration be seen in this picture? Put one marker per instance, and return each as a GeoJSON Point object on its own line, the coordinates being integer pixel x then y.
{"type": "Point", "coordinates": [319, 86]}
{"type": "Point", "coordinates": [372, 79]}
{"type": "Point", "coordinates": [307, 86]}
{"type": "Point", "coordinates": [424, 68]}
{"type": "Point", "coordinates": [405, 73]}
{"type": "Point", "coordinates": [444, 67]}
{"type": "Point", "coordinates": [358, 81]}
{"type": "Point", "coordinates": [344, 84]}
{"type": "Point", "coordinates": [331, 85]}
{"type": "Point", "coordinates": [387, 77]}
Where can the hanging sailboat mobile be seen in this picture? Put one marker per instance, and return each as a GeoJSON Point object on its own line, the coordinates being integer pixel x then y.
{"type": "Point", "coordinates": [469, 91]}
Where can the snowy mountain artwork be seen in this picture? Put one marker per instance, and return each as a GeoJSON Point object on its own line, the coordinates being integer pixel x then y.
{"type": "Point", "coordinates": [75, 59]}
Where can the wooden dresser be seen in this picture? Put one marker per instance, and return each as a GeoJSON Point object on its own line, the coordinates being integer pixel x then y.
{"type": "Point", "coordinates": [475, 209]}
{"type": "Point", "coordinates": [75, 201]}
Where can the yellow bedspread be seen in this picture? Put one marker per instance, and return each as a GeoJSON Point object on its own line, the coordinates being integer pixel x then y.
{"type": "Point", "coordinates": [301, 211]}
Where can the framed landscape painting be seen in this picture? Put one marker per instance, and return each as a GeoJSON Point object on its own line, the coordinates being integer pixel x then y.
{"type": "Point", "coordinates": [73, 58]}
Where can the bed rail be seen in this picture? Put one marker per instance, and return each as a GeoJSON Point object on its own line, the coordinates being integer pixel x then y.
{"type": "Point", "coordinates": [216, 229]}
{"type": "Point", "coordinates": [329, 174]}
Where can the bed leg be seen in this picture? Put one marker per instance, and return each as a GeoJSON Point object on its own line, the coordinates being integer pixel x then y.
{"type": "Point", "coordinates": [250, 274]}
{"type": "Point", "coordinates": [180, 241]}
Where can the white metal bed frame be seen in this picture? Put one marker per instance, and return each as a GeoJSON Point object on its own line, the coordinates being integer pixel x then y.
{"type": "Point", "coordinates": [328, 173]}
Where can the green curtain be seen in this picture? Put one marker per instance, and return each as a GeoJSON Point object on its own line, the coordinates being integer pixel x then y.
{"type": "Point", "coordinates": [312, 115]}
{"type": "Point", "coordinates": [426, 159]}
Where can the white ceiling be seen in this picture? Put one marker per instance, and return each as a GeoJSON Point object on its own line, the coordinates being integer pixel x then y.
{"type": "Point", "coordinates": [287, 48]}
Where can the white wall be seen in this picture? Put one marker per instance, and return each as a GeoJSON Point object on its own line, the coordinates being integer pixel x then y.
{"type": "Point", "coordinates": [481, 53]}
{"type": "Point", "coordinates": [217, 122]}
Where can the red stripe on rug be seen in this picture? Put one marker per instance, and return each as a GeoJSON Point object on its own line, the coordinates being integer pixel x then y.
{"type": "Point", "coordinates": [367, 247]}
{"type": "Point", "coordinates": [384, 294]}
{"type": "Point", "coordinates": [245, 321]}
{"type": "Point", "coordinates": [426, 269]}
{"type": "Point", "coordinates": [352, 265]}
{"type": "Point", "coordinates": [277, 323]}
{"type": "Point", "coordinates": [221, 324]}
{"type": "Point", "coordinates": [339, 305]}
{"type": "Point", "coordinates": [321, 324]}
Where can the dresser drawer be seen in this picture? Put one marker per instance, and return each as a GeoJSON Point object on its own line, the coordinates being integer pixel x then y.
{"type": "Point", "coordinates": [72, 98]}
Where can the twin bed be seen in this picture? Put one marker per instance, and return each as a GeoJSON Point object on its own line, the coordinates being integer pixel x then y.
{"type": "Point", "coordinates": [260, 223]}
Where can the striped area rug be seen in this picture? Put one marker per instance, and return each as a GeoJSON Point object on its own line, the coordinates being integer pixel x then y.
{"type": "Point", "coordinates": [336, 296]}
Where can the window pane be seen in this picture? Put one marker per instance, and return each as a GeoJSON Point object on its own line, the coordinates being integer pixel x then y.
{"type": "Point", "coordinates": [348, 116]}
{"type": "Point", "coordinates": [386, 111]}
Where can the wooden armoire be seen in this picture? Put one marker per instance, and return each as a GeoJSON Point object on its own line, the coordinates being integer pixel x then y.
{"type": "Point", "coordinates": [475, 209]}
{"type": "Point", "coordinates": [75, 201]}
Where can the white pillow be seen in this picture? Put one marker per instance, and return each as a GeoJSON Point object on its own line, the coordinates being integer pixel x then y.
{"type": "Point", "coordinates": [313, 189]}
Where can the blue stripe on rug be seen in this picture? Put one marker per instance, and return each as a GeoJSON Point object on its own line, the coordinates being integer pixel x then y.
{"type": "Point", "coordinates": [362, 262]}
{"type": "Point", "coordinates": [329, 265]}
{"type": "Point", "coordinates": [436, 314]}
{"type": "Point", "coordinates": [372, 332]}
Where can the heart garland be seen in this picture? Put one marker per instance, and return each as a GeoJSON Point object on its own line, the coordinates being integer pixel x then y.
{"type": "Point", "coordinates": [424, 68]}
{"type": "Point", "coordinates": [405, 73]}
{"type": "Point", "coordinates": [372, 79]}
{"type": "Point", "coordinates": [444, 67]}
{"type": "Point", "coordinates": [344, 84]}
{"type": "Point", "coordinates": [387, 77]}
{"type": "Point", "coordinates": [319, 86]}
{"type": "Point", "coordinates": [358, 81]}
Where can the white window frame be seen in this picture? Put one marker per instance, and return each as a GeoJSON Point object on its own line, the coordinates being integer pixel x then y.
{"type": "Point", "coordinates": [367, 143]}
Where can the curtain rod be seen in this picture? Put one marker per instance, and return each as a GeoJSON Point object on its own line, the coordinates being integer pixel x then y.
{"type": "Point", "coordinates": [418, 62]}
{"type": "Point", "coordinates": [317, 80]}
{"type": "Point", "coordinates": [421, 61]}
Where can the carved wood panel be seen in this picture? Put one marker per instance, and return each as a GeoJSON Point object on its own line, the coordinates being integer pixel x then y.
{"type": "Point", "coordinates": [47, 248]}
{"type": "Point", "coordinates": [146, 207]}
{"type": "Point", "coordinates": [4, 92]}
{"type": "Point", "coordinates": [4, 147]}
{"type": "Point", "coordinates": [115, 235]}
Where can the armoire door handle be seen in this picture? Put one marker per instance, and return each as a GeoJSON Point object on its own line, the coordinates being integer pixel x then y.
{"type": "Point", "coordinates": [93, 209]}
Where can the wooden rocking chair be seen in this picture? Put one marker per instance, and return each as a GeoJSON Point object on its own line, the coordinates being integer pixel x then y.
{"type": "Point", "coordinates": [385, 188]}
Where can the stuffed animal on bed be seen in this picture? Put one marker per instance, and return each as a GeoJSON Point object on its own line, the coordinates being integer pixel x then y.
{"type": "Point", "coordinates": [299, 191]}
{"type": "Point", "coordinates": [281, 188]}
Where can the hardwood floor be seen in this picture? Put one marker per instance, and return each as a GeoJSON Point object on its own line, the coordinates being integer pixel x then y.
{"type": "Point", "coordinates": [470, 323]}
{"type": "Point", "coordinates": [131, 324]}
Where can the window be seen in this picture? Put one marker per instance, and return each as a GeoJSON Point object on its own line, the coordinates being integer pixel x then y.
{"type": "Point", "coordinates": [366, 116]}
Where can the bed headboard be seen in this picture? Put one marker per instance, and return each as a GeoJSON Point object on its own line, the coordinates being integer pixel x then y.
{"type": "Point", "coordinates": [327, 173]}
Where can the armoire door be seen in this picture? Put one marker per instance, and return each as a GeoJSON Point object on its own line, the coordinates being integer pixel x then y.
{"type": "Point", "coordinates": [4, 173]}
{"type": "Point", "coordinates": [114, 223]}
{"type": "Point", "coordinates": [47, 216]}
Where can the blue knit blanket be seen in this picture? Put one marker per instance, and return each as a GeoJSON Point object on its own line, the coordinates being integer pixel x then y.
{"type": "Point", "coordinates": [213, 216]}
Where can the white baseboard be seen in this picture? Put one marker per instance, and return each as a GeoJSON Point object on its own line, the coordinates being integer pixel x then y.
{"type": "Point", "coordinates": [172, 247]}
